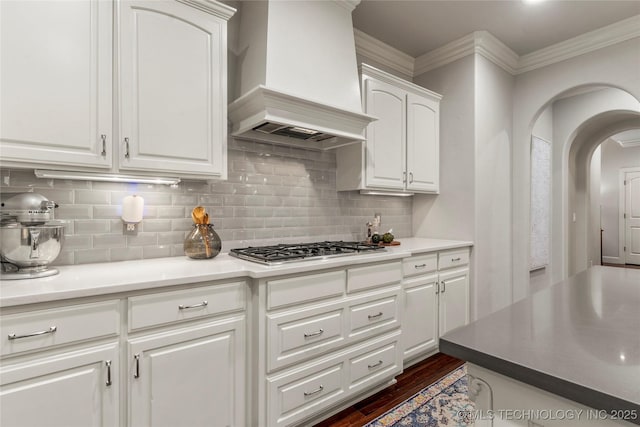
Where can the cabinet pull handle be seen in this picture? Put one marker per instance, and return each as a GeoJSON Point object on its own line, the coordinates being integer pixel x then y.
{"type": "Point", "coordinates": [108, 363]}
{"type": "Point", "coordinates": [404, 177]}
{"type": "Point", "coordinates": [51, 330]}
{"type": "Point", "coordinates": [136, 373]}
{"type": "Point", "coordinates": [318, 390]}
{"type": "Point", "coordinates": [455, 259]}
{"type": "Point", "coordinates": [126, 144]}
{"type": "Point", "coordinates": [314, 334]}
{"type": "Point", "coordinates": [374, 316]}
{"type": "Point", "coordinates": [410, 177]}
{"type": "Point", "coordinates": [186, 307]}
{"type": "Point", "coordinates": [444, 287]}
{"type": "Point", "coordinates": [375, 365]}
{"type": "Point", "coordinates": [104, 144]}
{"type": "Point", "coordinates": [420, 265]}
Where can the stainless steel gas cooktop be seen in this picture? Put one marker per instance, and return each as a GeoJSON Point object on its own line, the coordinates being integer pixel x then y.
{"type": "Point", "coordinates": [282, 253]}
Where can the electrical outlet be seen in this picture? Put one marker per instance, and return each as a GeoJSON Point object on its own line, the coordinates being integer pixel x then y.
{"type": "Point", "coordinates": [130, 229]}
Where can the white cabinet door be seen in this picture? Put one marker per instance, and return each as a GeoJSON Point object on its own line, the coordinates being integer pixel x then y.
{"type": "Point", "coordinates": [385, 153]}
{"type": "Point", "coordinates": [420, 316]}
{"type": "Point", "coordinates": [454, 300]}
{"type": "Point", "coordinates": [189, 377]}
{"type": "Point", "coordinates": [69, 389]}
{"type": "Point", "coordinates": [55, 82]}
{"type": "Point", "coordinates": [422, 144]}
{"type": "Point", "coordinates": [173, 115]}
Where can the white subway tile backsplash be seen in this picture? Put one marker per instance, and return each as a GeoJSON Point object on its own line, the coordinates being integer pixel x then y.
{"type": "Point", "coordinates": [109, 241]}
{"type": "Point", "coordinates": [88, 256]}
{"type": "Point", "coordinates": [92, 226]}
{"type": "Point", "coordinates": [124, 254]}
{"type": "Point", "coordinates": [156, 251]}
{"type": "Point", "coordinates": [93, 197]}
{"type": "Point", "coordinates": [274, 194]}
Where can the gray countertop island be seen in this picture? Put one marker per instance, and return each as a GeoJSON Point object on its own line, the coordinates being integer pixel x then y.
{"type": "Point", "coordinates": [579, 339]}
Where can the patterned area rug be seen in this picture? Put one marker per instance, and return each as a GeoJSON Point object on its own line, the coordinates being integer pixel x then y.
{"type": "Point", "coordinates": [443, 403]}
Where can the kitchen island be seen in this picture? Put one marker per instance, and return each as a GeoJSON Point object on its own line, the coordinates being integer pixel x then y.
{"type": "Point", "coordinates": [578, 339]}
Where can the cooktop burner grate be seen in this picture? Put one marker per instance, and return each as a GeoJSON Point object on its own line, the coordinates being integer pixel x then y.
{"type": "Point", "coordinates": [281, 253]}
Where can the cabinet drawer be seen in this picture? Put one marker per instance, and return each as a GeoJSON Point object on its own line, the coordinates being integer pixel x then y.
{"type": "Point", "coordinates": [374, 315]}
{"type": "Point", "coordinates": [174, 306]}
{"type": "Point", "coordinates": [373, 276]}
{"type": "Point", "coordinates": [301, 335]}
{"type": "Point", "coordinates": [38, 330]}
{"type": "Point", "coordinates": [283, 292]}
{"type": "Point", "coordinates": [452, 259]}
{"type": "Point", "coordinates": [367, 368]}
{"type": "Point", "coordinates": [420, 264]}
{"type": "Point", "coordinates": [317, 389]}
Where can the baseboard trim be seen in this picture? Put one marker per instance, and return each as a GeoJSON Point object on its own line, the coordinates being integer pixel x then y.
{"type": "Point", "coordinates": [612, 260]}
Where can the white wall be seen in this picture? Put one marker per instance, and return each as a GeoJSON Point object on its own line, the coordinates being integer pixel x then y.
{"type": "Point", "coordinates": [475, 192]}
{"type": "Point", "coordinates": [615, 66]}
{"type": "Point", "coordinates": [543, 128]}
{"type": "Point", "coordinates": [450, 215]}
{"type": "Point", "coordinates": [594, 207]}
{"type": "Point", "coordinates": [493, 109]}
{"type": "Point", "coordinates": [614, 158]}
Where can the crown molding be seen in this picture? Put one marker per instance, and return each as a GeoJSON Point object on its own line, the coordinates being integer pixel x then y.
{"type": "Point", "coordinates": [486, 44]}
{"type": "Point", "coordinates": [481, 42]}
{"type": "Point", "coordinates": [588, 42]}
{"type": "Point", "coordinates": [382, 53]}
{"type": "Point", "coordinates": [445, 54]}
{"type": "Point", "coordinates": [489, 46]}
{"type": "Point", "coordinates": [348, 4]}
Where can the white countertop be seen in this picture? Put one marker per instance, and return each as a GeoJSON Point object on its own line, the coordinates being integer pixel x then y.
{"type": "Point", "coordinates": [77, 281]}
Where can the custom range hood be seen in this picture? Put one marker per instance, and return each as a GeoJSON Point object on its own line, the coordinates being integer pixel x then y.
{"type": "Point", "coordinates": [298, 76]}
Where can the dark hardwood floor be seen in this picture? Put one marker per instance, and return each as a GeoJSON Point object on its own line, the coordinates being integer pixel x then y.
{"type": "Point", "coordinates": [411, 381]}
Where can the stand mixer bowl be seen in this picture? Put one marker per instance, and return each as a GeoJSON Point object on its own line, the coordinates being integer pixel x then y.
{"type": "Point", "coordinates": [30, 248]}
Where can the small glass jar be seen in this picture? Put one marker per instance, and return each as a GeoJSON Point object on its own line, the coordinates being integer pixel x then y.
{"type": "Point", "coordinates": [202, 242]}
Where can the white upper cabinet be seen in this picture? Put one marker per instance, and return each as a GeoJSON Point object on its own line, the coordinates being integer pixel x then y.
{"type": "Point", "coordinates": [55, 82]}
{"type": "Point", "coordinates": [401, 152]}
{"type": "Point", "coordinates": [422, 143]}
{"type": "Point", "coordinates": [385, 147]}
{"type": "Point", "coordinates": [172, 89]}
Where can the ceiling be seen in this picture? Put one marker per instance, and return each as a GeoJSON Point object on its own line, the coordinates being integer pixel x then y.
{"type": "Point", "coordinates": [419, 26]}
{"type": "Point", "coordinates": [629, 138]}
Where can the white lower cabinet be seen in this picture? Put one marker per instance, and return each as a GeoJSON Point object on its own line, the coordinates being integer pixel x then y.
{"type": "Point", "coordinates": [420, 324]}
{"type": "Point", "coordinates": [60, 366]}
{"type": "Point", "coordinates": [453, 297]}
{"type": "Point", "coordinates": [297, 394]}
{"type": "Point", "coordinates": [316, 350]}
{"type": "Point", "coordinates": [435, 299]}
{"type": "Point", "coordinates": [74, 388]}
{"type": "Point", "coordinates": [192, 376]}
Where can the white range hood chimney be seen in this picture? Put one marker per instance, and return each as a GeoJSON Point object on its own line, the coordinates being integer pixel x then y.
{"type": "Point", "coordinates": [298, 74]}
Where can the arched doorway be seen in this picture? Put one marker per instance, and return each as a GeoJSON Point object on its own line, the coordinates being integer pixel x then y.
{"type": "Point", "coordinates": [575, 122]}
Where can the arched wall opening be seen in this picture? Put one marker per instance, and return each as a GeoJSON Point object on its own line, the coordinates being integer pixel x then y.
{"type": "Point", "coordinates": [575, 122]}
{"type": "Point", "coordinates": [615, 66]}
